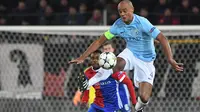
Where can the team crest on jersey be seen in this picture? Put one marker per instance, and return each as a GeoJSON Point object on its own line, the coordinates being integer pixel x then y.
{"type": "Point", "coordinates": [136, 32]}
{"type": "Point", "coordinates": [131, 34]}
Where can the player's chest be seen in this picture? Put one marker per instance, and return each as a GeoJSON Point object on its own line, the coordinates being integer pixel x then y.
{"type": "Point", "coordinates": [90, 73]}
{"type": "Point", "coordinates": [108, 83]}
{"type": "Point", "coordinates": [131, 33]}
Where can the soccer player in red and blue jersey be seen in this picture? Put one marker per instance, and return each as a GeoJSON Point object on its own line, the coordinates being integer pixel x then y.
{"type": "Point", "coordinates": [107, 91]}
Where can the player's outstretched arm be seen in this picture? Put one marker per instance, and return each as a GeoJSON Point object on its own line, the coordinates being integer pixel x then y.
{"type": "Point", "coordinates": [167, 50]}
{"type": "Point", "coordinates": [93, 47]}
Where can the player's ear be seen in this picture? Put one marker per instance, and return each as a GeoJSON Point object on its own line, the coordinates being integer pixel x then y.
{"type": "Point", "coordinates": [114, 49]}
{"type": "Point", "coordinates": [131, 10]}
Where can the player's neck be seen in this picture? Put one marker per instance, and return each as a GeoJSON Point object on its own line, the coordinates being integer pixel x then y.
{"type": "Point", "coordinates": [95, 67]}
{"type": "Point", "coordinates": [129, 22]}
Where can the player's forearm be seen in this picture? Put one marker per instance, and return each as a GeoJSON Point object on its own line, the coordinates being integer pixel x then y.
{"type": "Point", "coordinates": [166, 47]}
{"type": "Point", "coordinates": [94, 46]}
{"type": "Point", "coordinates": [131, 90]}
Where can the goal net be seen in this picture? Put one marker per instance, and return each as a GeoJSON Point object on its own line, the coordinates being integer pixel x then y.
{"type": "Point", "coordinates": [35, 75]}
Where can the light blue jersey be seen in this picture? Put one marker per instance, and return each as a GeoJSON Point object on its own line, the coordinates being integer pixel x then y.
{"type": "Point", "coordinates": [139, 36]}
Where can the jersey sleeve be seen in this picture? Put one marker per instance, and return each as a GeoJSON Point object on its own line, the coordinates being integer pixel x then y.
{"type": "Point", "coordinates": [89, 72]}
{"type": "Point", "coordinates": [112, 32]}
{"type": "Point", "coordinates": [85, 72]}
{"type": "Point", "coordinates": [85, 96]}
{"type": "Point", "coordinates": [149, 28]}
{"type": "Point", "coordinates": [119, 76]}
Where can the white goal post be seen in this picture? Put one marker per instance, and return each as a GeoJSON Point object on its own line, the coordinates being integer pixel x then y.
{"type": "Point", "coordinates": [96, 30]}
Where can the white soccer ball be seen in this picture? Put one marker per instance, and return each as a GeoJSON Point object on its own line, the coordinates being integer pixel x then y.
{"type": "Point", "coordinates": [107, 60]}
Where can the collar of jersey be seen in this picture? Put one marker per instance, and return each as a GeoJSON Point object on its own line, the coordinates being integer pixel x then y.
{"type": "Point", "coordinates": [134, 17]}
{"type": "Point", "coordinates": [94, 69]}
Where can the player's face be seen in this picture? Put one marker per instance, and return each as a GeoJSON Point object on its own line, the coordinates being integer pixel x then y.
{"type": "Point", "coordinates": [125, 12]}
{"type": "Point", "coordinates": [108, 48]}
{"type": "Point", "coordinates": [94, 60]}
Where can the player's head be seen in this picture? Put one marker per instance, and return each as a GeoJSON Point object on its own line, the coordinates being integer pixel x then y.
{"type": "Point", "coordinates": [126, 9]}
{"type": "Point", "coordinates": [94, 59]}
{"type": "Point", "coordinates": [108, 47]}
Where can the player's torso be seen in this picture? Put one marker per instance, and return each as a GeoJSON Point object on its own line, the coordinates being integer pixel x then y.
{"type": "Point", "coordinates": [137, 40]}
{"type": "Point", "coordinates": [131, 33]}
{"type": "Point", "coordinates": [107, 93]}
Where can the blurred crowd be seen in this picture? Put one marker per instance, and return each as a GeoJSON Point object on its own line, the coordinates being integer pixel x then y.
{"type": "Point", "coordinates": [95, 12]}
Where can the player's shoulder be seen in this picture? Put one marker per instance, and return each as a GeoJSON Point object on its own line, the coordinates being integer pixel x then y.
{"type": "Point", "coordinates": [118, 22]}
{"type": "Point", "coordinates": [139, 19]}
{"type": "Point", "coordinates": [119, 75]}
{"type": "Point", "coordinates": [89, 72]}
{"type": "Point", "coordinates": [117, 25]}
{"type": "Point", "coordinates": [88, 69]}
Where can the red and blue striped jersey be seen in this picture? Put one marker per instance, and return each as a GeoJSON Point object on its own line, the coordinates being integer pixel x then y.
{"type": "Point", "coordinates": [107, 91]}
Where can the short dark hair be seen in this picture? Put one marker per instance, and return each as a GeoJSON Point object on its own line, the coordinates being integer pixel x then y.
{"type": "Point", "coordinates": [109, 43]}
{"type": "Point", "coordinates": [96, 52]}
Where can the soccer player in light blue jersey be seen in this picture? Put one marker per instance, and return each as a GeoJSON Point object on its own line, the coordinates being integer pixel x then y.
{"type": "Point", "coordinates": [139, 53]}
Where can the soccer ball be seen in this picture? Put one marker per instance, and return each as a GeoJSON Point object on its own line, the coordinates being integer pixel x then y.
{"type": "Point", "coordinates": [107, 60]}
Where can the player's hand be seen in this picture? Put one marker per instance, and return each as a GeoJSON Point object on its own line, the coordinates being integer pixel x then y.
{"type": "Point", "coordinates": [83, 82]}
{"type": "Point", "coordinates": [177, 66]}
{"type": "Point", "coordinates": [77, 60]}
{"type": "Point", "coordinates": [77, 98]}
